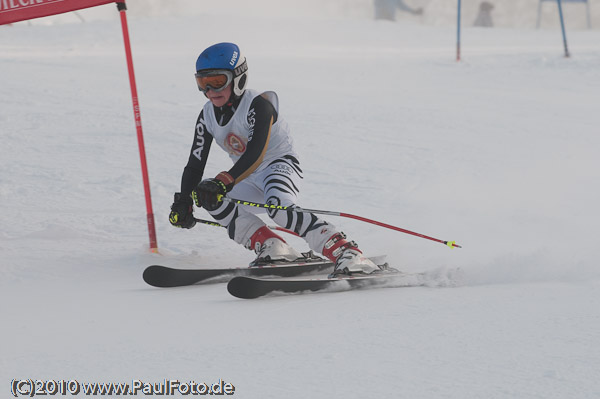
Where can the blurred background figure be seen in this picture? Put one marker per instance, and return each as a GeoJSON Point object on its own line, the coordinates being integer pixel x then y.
{"type": "Point", "coordinates": [386, 9]}
{"type": "Point", "coordinates": [484, 17]}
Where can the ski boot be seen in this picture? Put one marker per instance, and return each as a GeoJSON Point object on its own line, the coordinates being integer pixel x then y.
{"type": "Point", "coordinates": [347, 257]}
{"type": "Point", "coordinates": [271, 248]}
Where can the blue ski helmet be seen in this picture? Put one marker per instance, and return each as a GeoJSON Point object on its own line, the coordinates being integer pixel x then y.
{"type": "Point", "coordinates": [225, 56]}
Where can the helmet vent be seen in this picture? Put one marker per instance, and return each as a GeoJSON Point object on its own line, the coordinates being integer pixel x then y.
{"type": "Point", "coordinates": [242, 82]}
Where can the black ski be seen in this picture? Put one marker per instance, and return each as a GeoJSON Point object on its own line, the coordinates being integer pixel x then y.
{"type": "Point", "coordinates": [246, 287]}
{"type": "Point", "coordinates": [165, 277]}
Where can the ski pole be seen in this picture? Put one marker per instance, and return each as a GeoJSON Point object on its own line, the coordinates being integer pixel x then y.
{"type": "Point", "coordinates": [211, 223]}
{"type": "Point", "coordinates": [451, 244]}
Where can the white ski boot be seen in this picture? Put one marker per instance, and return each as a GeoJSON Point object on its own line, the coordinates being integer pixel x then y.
{"type": "Point", "coordinates": [270, 248]}
{"type": "Point", "coordinates": [347, 257]}
{"type": "Point", "coordinates": [352, 261]}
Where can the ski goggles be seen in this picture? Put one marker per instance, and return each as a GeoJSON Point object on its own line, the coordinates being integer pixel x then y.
{"type": "Point", "coordinates": [216, 80]}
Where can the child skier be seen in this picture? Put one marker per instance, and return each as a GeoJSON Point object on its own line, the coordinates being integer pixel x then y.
{"type": "Point", "coordinates": [247, 124]}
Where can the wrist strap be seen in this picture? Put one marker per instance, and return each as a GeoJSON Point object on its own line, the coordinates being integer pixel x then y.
{"type": "Point", "coordinates": [227, 180]}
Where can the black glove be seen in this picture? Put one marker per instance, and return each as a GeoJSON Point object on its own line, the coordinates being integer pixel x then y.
{"type": "Point", "coordinates": [208, 193]}
{"type": "Point", "coordinates": [182, 212]}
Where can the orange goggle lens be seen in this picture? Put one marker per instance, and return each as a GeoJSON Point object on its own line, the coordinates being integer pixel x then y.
{"type": "Point", "coordinates": [216, 82]}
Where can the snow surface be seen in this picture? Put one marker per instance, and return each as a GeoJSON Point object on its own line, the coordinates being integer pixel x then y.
{"type": "Point", "coordinates": [498, 152]}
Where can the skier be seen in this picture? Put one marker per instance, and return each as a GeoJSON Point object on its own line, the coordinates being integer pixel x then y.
{"type": "Point", "coordinates": [484, 17]}
{"type": "Point", "coordinates": [386, 9]}
{"type": "Point", "coordinates": [247, 124]}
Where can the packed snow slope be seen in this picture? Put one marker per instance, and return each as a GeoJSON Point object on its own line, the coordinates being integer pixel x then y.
{"type": "Point", "coordinates": [498, 152]}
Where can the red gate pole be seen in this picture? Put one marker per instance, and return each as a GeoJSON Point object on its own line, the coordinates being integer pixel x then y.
{"type": "Point", "coordinates": [122, 7]}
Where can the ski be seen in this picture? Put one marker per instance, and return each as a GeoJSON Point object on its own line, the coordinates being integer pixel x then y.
{"type": "Point", "coordinates": [248, 287]}
{"type": "Point", "coordinates": [167, 277]}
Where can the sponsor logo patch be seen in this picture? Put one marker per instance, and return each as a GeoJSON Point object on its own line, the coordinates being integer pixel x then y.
{"type": "Point", "coordinates": [235, 145]}
{"type": "Point", "coordinates": [234, 58]}
{"type": "Point", "coordinates": [280, 168]}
